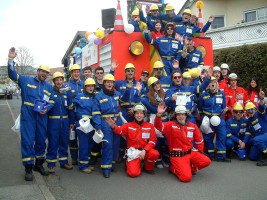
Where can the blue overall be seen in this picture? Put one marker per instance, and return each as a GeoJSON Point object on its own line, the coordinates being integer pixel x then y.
{"type": "Point", "coordinates": [187, 29]}
{"type": "Point", "coordinates": [107, 106]}
{"type": "Point", "coordinates": [76, 88]}
{"type": "Point", "coordinates": [149, 20]}
{"type": "Point", "coordinates": [166, 83]}
{"type": "Point", "coordinates": [213, 105]}
{"type": "Point", "coordinates": [33, 126]}
{"type": "Point", "coordinates": [84, 104]}
{"type": "Point", "coordinates": [59, 119]}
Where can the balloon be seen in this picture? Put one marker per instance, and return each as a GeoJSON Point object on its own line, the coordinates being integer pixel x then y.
{"type": "Point", "coordinates": [91, 38]}
{"type": "Point", "coordinates": [215, 120]}
{"type": "Point", "coordinates": [129, 28]}
{"type": "Point", "coordinates": [78, 50]}
{"type": "Point", "coordinates": [100, 33]}
{"type": "Point", "coordinates": [87, 34]}
{"type": "Point", "coordinates": [143, 34]}
{"type": "Point", "coordinates": [98, 41]}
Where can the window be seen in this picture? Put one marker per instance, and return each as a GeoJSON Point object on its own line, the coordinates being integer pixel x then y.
{"type": "Point", "coordinates": [218, 22]}
{"type": "Point", "coordinates": [256, 14]}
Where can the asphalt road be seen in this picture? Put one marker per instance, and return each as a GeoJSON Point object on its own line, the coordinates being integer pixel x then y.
{"type": "Point", "coordinates": [220, 181]}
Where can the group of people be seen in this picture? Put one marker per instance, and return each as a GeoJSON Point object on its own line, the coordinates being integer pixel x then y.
{"type": "Point", "coordinates": [163, 120]}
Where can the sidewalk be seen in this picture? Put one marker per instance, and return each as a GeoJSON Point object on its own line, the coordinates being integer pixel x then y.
{"type": "Point", "coordinates": [12, 183]}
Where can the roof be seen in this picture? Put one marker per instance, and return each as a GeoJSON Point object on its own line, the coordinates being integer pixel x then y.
{"type": "Point", "coordinates": [186, 5]}
{"type": "Point", "coordinates": [77, 37]}
{"type": "Point", "coordinates": [56, 69]}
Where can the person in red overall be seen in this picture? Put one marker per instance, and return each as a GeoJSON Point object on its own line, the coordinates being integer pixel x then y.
{"type": "Point", "coordinates": [225, 69]}
{"type": "Point", "coordinates": [252, 92]}
{"type": "Point", "coordinates": [158, 31]}
{"type": "Point", "coordinates": [180, 134]}
{"type": "Point", "coordinates": [141, 138]}
{"type": "Point", "coordinates": [218, 75]}
{"type": "Point", "coordinates": [233, 94]}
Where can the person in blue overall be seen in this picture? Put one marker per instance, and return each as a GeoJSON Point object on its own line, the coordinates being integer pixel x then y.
{"type": "Point", "coordinates": [165, 82]}
{"type": "Point", "coordinates": [189, 58]}
{"type": "Point", "coordinates": [151, 101]}
{"type": "Point", "coordinates": [143, 79]}
{"type": "Point", "coordinates": [60, 121]}
{"type": "Point", "coordinates": [136, 22]}
{"type": "Point", "coordinates": [212, 103]}
{"type": "Point", "coordinates": [83, 104]}
{"type": "Point", "coordinates": [33, 124]}
{"type": "Point", "coordinates": [76, 87]}
{"type": "Point", "coordinates": [168, 47]}
{"type": "Point", "coordinates": [257, 124]}
{"type": "Point", "coordinates": [237, 131]}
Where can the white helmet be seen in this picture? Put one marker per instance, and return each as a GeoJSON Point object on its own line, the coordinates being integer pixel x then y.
{"type": "Point", "coordinates": [216, 68]}
{"type": "Point", "coordinates": [139, 107]}
{"type": "Point", "coordinates": [180, 109]}
{"type": "Point", "coordinates": [233, 76]}
{"type": "Point", "coordinates": [225, 66]}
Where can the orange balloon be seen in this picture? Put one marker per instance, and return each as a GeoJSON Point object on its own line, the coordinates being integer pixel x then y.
{"type": "Point", "coordinates": [87, 34]}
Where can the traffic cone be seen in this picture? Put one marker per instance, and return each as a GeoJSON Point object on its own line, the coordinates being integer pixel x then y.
{"type": "Point", "coordinates": [200, 23]}
{"type": "Point", "coordinates": [118, 24]}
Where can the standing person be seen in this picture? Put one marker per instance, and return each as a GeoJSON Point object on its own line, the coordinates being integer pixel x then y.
{"type": "Point", "coordinates": [76, 87]}
{"type": "Point", "coordinates": [144, 78]}
{"type": "Point", "coordinates": [165, 81]}
{"type": "Point", "coordinates": [33, 125]}
{"type": "Point", "coordinates": [87, 72]}
{"type": "Point", "coordinates": [83, 104]}
{"type": "Point", "coordinates": [168, 47]}
{"type": "Point", "coordinates": [257, 123]}
{"type": "Point", "coordinates": [212, 103]}
{"type": "Point", "coordinates": [218, 75]}
{"type": "Point", "coordinates": [99, 75]}
{"type": "Point", "coordinates": [151, 18]}
{"type": "Point", "coordinates": [136, 22]}
{"type": "Point", "coordinates": [180, 134]}
{"type": "Point", "coordinates": [60, 121]}
{"type": "Point", "coordinates": [252, 92]}
{"type": "Point", "coordinates": [140, 136]}
{"type": "Point", "coordinates": [225, 72]}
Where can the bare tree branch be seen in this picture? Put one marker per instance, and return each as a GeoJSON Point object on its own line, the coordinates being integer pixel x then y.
{"type": "Point", "coordinates": [24, 58]}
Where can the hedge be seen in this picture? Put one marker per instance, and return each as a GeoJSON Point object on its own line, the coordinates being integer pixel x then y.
{"type": "Point", "coordinates": [246, 61]}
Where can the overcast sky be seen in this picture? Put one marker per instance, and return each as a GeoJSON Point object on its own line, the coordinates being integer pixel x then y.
{"type": "Point", "coordinates": [47, 27]}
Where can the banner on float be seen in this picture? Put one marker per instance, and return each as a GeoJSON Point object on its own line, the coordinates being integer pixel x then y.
{"type": "Point", "coordinates": [89, 55]}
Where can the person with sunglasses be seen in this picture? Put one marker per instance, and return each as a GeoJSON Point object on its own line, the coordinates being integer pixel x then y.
{"type": "Point", "coordinates": [151, 101]}
{"type": "Point", "coordinates": [165, 82]}
{"type": "Point", "coordinates": [257, 123]}
{"type": "Point", "coordinates": [143, 79]}
{"type": "Point", "coordinates": [167, 45]}
{"type": "Point", "coordinates": [237, 131]}
{"type": "Point", "coordinates": [99, 75]}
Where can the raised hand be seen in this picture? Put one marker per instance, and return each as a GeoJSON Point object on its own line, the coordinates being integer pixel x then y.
{"type": "Point", "coordinates": [138, 86]}
{"type": "Point", "coordinates": [161, 108]}
{"type": "Point", "coordinates": [12, 54]}
{"type": "Point", "coordinates": [211, 19]}
{"type": "Point", "coordinates": [261, 94]}
{"type": "Point", "coordinates": [175, 64]}
{"type": "Point", "coordinates": [114, 64]}
{"type": "Point", "coordinates": [145, 29]}
{"type": "Point", "coordinates": [210, 72]}
{"type": "Point", "coordinates": [139, 5]}
{"type": "Point", "coordinates": [147, 9]}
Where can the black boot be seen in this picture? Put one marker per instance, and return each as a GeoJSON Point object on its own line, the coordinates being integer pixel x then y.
{"type": "Point", "coordinates": [39, 167]}
{"type": "Point", "coordinates": [263, 161]}
{"type": "Point", "coordinates": [229, 154]}
{"type": "Point", "coordinates": [28, 172]}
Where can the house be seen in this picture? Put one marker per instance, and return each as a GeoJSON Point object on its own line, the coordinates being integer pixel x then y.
{"type": "Point", "coordinates": [237, 22]}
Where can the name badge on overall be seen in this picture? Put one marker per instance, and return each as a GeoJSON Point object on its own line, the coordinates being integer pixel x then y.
{"type": "Point", "coordinates": [174, 46]}
{"type": "Point", "coordinates": [46, 98]}
{"type": "Point", "coordinates": [219, 100]}
{"type": "Point", "coordinates": [195, 59]}
{"type": "Point", "coordinates": [145, 135]}
{"type": "Point", "coordinates": [189, 30]}
{"type": "Point", "coordinates": [66, 103]}
{"type": "Point", "coordinates": [189, 134]}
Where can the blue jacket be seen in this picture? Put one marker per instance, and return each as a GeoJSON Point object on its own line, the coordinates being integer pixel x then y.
{"type": "Point", "coordinates": [63, 108]}
{"type": "Point", "coordinates": [237, 130]}
{"type": "Point", "coordinates": [212, 104]}
{"type": "Point", "coordinates": [149, 20]}
{"type": "Point", "coordinates": [165, 82]}
{"type": "Point", "coordinates": [165, 19]}
{"type": "Point", "coordinates": [188, 29]}
{"type": "Point", "coordinates": [76, 88]}
{"type": "Point", "coordinates": [31, 88]}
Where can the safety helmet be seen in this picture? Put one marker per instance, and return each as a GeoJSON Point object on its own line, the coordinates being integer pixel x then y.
{"type": "Point", "coordinates": [233, 76]}
{"type": "Point", "coordinates": [216, 68]}
{"type": "Point", "coordinates": [158, 64]}
{"type": "Point", "coordinates": [57, 74]}
{"type": "Point", "coordinates": [213, 78]}
{"type": "Point", "coordinates": [238, 106]}
{"type": "Point", "coordinates": [187, 11]}
{"type": "Point", "coordinates": [139, 107]}
{"type": "Point", "coordinates": [152, 80]}
{"type": "Point", "coordinates": [145, 72]}
{"type": "Point", "coordinates": [195, 72]}
{"type": "Point", "coordinates": [129, 66]}
{"type": "Point", "coordinates": [75, 66]}
{"type": "Point", "coordinates": [225, 66]}
{"type": "Point", "coordinates": [169, 24]}
{"type": "Point", "coordinates": [180, 109]}
{"type": "Point", "coordinates": [45, 68]}
{"type": "Point", "coordinates": [187, 75]}
{"type": "Point", "coordinates": [109, 77]}
{"type": "Point", "coordinates": [154, 7]}
{"type": "Point", "coordinates": [89, 81]}
{"type": "Point", "coordinates": [250, 105]}
{"type": "Point", "coordinates": [135, 12]}
{"type": "Point", "coordinates": [169, 7]}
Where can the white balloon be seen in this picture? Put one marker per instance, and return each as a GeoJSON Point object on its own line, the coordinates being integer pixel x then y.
{"type": "Point", "coordinates": [215, 120]}
{"type": "Point", "coordinates": [129, 28]}
{"type": "Point", "coordinates": [91, 38]}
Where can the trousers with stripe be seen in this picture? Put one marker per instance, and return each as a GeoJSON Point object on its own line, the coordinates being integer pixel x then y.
{"type": "Point", "coordinates": [259, 146]}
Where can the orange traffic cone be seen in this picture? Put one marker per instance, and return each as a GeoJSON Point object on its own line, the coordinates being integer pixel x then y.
{"type": "Point", "coordinates": [118, 24]}
{"type": "Point", "coordinates": [200, 23]}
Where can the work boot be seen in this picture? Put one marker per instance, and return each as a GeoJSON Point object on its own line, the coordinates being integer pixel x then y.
{"type": "Point", "coordinates": [51, 170]}
{"type": "Point", "coordinates": [223, 160]}
{"type": "Point", "coordinates": [66, 166]}
{"type": "Point", "coordinates": [106, 174]}
{"type": "Point", "coordinates": [92, 168]}
{"type": "Point", "coordinates": [87, 171]}
{"type": "Point", "coordinates": [230, 154]}
{"type": "Point", "coordinates": [28, 173]}
{"type": "Point", "coordinates": [151, 172]}
{"type": "Point", "coordinates": [74, 161]}
{"type": "Point", "coordinates": [93, 160]}
{"type": "Point", "coordinates": [39, 167]}
{"type": "Point", "coordinates": [263, 162]}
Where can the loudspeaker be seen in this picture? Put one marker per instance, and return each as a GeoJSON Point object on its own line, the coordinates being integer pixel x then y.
{"type": "Point", "coordinates": [108, 17]}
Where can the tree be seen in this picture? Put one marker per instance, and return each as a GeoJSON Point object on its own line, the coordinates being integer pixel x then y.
{"type": "Point", "coordinates": [24, 58]}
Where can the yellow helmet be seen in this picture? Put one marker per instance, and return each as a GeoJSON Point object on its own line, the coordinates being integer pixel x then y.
{"type": "Point", "coordinates": [135, 12]}
{"type": "Point", "coordinates": [152, 80]}
{"type": "Point", "coordinates": [187, 11]}
{"type": "Point", "coordinates": [109, 77]}
{"type": "Point", "coordinates": [250, 105]}
{"type": "Point", "coordinates": [238, 106]}
{"type": "Point", "coordinates": [195, 72]}
{"type": "Point", "coordinates": [57, 74]}
{"type": "Point", "coordinates": [154, 7]}
{"type": "Point", "coordinates": [89, 81]}
{"type": "Point", "coordinates": [75, 66]}
{"type": "Point", "coordinates": [45, 68]}
{"type": "Point", "coordinates": [158, 64]}
{"type": "Point", "coordinates": [169, 7]}
{"type": "Point", "coordinates": [129, 66]}
{"type": "Point", "coordinates": [187, 75]}
{"type": "Point", "coordinates": [213, 78]}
